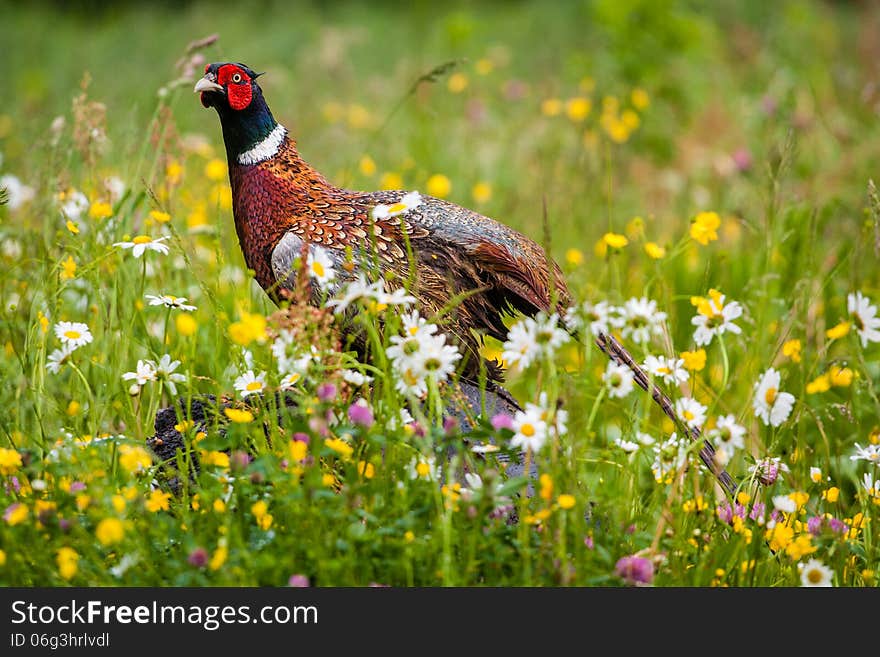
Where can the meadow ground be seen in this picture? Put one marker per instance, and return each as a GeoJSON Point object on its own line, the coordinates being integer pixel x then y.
{"type": "Point", "coordinates": [702, 176]}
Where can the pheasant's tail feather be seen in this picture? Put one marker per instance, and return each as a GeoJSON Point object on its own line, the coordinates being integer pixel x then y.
{"type": "Point", "coordinates": [616, 352]}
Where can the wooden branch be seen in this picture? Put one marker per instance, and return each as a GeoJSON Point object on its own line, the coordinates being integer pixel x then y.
{"type": "Point", "coordinates": [616, 352]}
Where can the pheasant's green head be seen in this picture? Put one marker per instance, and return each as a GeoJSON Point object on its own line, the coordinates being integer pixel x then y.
{"type": "Point", "coordinates": [230, 85]}
{"type": "Point", "coordinates": [247, 123]}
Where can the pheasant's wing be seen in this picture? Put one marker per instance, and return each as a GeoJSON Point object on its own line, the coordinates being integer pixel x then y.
{"type": "Point", "coordinates": [516, 270]}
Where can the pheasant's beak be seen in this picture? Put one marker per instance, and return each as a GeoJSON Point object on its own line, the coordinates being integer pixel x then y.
{"type": "Point", "coordinates": [205, 86]}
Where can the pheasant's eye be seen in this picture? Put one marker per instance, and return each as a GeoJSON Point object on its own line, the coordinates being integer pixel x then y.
{"type": "Point", "coordinates": [236, 78]}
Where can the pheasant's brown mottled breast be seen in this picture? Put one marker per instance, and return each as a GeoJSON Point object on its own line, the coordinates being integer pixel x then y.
{"type": "Point", "coordinates": [455, 250]}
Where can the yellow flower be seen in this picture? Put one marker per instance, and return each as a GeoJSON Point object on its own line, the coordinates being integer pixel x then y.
{"type": "Point", "coordinates": [298, 450]}
{"type": "Point", "coordinates": [438, 185]}
{"type": "Point", "coordinates": [358, 116]}
{"type": "Point", "coordinates": [173, 172]}
{"type": "Point", "coordinates": [16, 514]}
{"type": "Point", "coordinates": [484, 66]}
{"type": "Point", "coordinates": [705, 226]}
{"type": "Point", "coordinates": [551, 107]}
{"type": "Point", "coordinates": [220, 459]}
{"type": "Point", "coordinates": [72, 227]}
{"type": "Point", "coordinates": [481, 192]}
{"type": "Point", "coordinates": [780, 536]}
{"type": "Point", "coordinates": [109, 531]}
{"type": "Point", "coordinates": [339, 446]}
{"type": "Point", "coordinates": [73, 408]}
{"type": "Point", "coordinates": [218, 558]}
{"type": "Point", "coordinates": [134, 458]}
{"type": "Point", "coordinates": [799, 498]}
{"type": "Point", "coordinates": [820, 384]}
{"type": "Point", "coordinates": [367, 166]}
{"type": "Point", "coordinates": [577, 109]}
{"type": "Point", "coordinates": [390, 180]}
{"type": "Point", "coordinates": [218, 505]}
{"type": "Point", "coordinates": [743, 497]}
{"type": "Point", "coordinates": [250, 327]}
{"type": "Point", "coordinates": [366, 469]}
{"type": "Point", "coordinates": [118, 503]}
{"type": "Point", "coordinates": [457, 83]}
{"type": "Point", "coordinates": [792, 349]}
{"type": "Point", "coordinates": [574, 257]}
{"type": "Point", "coordinates": [259, 509]}
{"type": "Point", "coordinates": [160, 217]}
{"type": "Point", "coordinates": [328, 479]}
{"type": "Point", "coordinates": [800, 547]}
{"type": "Point", "coordinates": [694, 360]}
{"type": "Point", "coordinates": [100, 210]}
{"type": "Point", "coordinates": [215, 169]}
{"type": "Point", "coordinates": [840, 376]}
{"type": "Point", "coordinates": [546, 482]}
{"type": "Point", "coordinates": [617, 130]}
{"type": "Point", "coordinates": [239, 416]}
{"type": "Point", "coordinates": [158, 501]}
{"type": "Point", "coordinates": [221, 196]}
{"type": "Point", "coordinates": [639, 98]}
{"type": "Point", "coordinates": [837, 331]}
{"type": "Point", "coordinates": [654, 250]}
{"type": "Point", "coordinates": [831, 494]}
{"type": "Point", "coordinates": [2, 558]}
{"type": "Point", "coordinates": [68, 269]}
{"type": "Point", "coordinates": [197, 220]}
{"type": "Point", "coordinates": [44, 321]}
{"type": "Point", "coordinates": [695, 505]}
{"type": "Point", "coordinates": [565, 501]}
{"type": "Point", "coordinates": [67, 559]}
{"type": "Point", "coordinates": [186, 325]}
{"type": "Point", "coordinates": [615, 240]}
{"type": "Point", "coordinates": [409, 537]}
{"type": "Point", "coordinates": [10, 461]}
{"type": "Point", "coordinates": [630, 119]}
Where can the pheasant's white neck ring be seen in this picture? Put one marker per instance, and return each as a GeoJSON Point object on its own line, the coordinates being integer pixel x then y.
{"type": "Point", "coordinates": [265, 149]}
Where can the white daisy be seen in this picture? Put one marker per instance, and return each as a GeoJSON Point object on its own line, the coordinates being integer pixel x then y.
{"type": "Point", "coordinates": [409, 202]}
{"type": "Point", "coordinates": [714, 317]}
{"type": "Point", "coordinates": [784, 503]}
{"type": "Point", "coordinates": [58, 359]}
{"type": "Point", "coordinates": [352, 291]}
{"type": "Point", "coordinates": [288, 381]}
{"type": "Point", "coordinates": [356, 378]}
{"type": "Point", "coordinates": [115, 187]}
{"type": "Point", "coordinates": [530, 431]}
{"type": "Point", "coordinates": [815, 573]}
{"type": "Point", "coordinates": [618, 379]}
{"type": "Point", "coordinates": [144, 372]}
{"type": "Point", "coordinates": [728, 435]}
{"type": "Point", "coordinates": [74, 204]}
{"type": "Point", "coordinates": [639, 320]}
{"type": "Point", "coordinates": [424, 467]}
{"type": "Point", "coordinates": [438, 359]}
{"type": "Point", "coordinates": [399, 297]}
{"type": "Point", "coordinates": [864, 317]}
{"type": "Point", "coordinates": [670, 370]}
{"type": "Point", "coordinates": [143, 243]}
{"type": "Point", "coordinates": [549, 336]}
{"type": "Point", "coordinates": [627, 446]}
{"type": "Point", "coordinates": [73, 334]}
{"type": "Point", "coordinates": [11, 249]}
{"type": "Point", "coordinates": [595, 316]}
{"type": "Point", "coordinates": [250, 383]}
{"type": "Point", "coordinates": [520, 348]}
{"type": "Point", "coordinates": [669, 457]}
{"type": "Point", "coordinates": [772, 406]}
{"type": "Point", "coordinates": [815, 474]}
{"type": "Point", "coordinates": [169, 301]}
{"type": "Point", "coordinates": [542, 411]}
{"type": "Point", "coordinates": [644, 438]}
{"type": "Point", "coordinates": [692, 412]}
{"type": "Point", "coordinates": [872, 487]}
{"type": "Point", "coordinates": [320, 266]}
{"type": "Point", "coordinates": [165, 372]}
{"type": "Point", "coordinates": [869, 453]}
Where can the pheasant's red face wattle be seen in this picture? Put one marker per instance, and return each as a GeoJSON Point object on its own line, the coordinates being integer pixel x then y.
{"type": "Point", "coordinates": [238, 86]}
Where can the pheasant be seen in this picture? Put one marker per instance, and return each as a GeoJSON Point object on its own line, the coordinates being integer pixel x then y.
{"type": "Point", "coordinates": [282, 207]}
